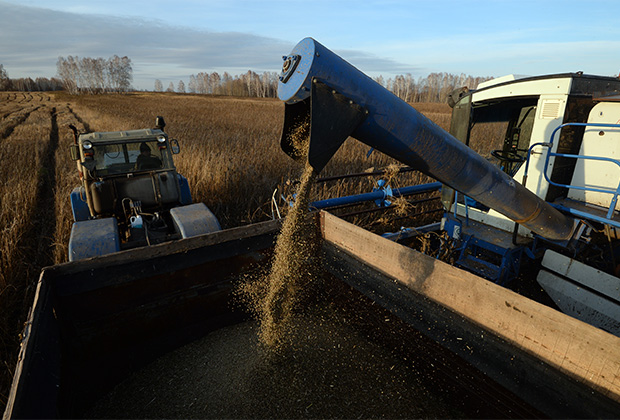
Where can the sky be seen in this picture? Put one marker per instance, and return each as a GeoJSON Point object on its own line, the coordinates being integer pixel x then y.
{"type": "Point", "coordinates": [171, 40]}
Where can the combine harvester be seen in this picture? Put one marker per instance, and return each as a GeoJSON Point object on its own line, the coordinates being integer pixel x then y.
{"type": "Point", "coordinates": [547, 213]}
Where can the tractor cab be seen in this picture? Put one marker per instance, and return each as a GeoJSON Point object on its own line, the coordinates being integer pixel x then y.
{"type": "Point", "coordinates": [120, 153]}
{"type": "Point", "coordinates": [115, 157]}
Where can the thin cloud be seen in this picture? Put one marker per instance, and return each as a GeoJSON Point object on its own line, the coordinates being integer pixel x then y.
{"type": "Point", "coordinates": [32, 39]}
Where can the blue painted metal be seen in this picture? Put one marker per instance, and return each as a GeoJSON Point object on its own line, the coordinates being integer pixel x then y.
{"type": "Point", "coordinates": [482, 253]}
{"type": "Point", "coordinates": [398, 130]}
{"type": "Point", "coordinates": [387, 193]}
{"type": "Point", "coordinates": [375, 195]}
{"type": "Point", "coordinates": [195, 219]}
{"type": "Point", "coordinates": [92, 238]}
{"type": "Point", "coordinates": [476, 256]}
{"type": "Point", "coordinates": [453, 226]}
{"type": "Point", "coordinates": [79, 206]}
{"type": "Point", "coordinates": [186, 195]}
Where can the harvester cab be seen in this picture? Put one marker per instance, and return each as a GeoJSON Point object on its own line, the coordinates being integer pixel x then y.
{"type": "Point", "coordinates": [131, 194]}
{"type": "Point", "coordinates": [542, 200]}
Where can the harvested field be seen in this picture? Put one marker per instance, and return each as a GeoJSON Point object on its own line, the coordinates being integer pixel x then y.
{"type": "Point", "coordinates": [229, 152]}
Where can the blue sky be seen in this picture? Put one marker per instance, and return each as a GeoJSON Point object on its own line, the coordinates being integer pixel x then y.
{"type": "Point", "coordinates": [170, 40]}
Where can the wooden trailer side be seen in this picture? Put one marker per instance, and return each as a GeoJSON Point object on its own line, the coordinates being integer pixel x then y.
{"type": "Point", "coordinates": [579, 359]}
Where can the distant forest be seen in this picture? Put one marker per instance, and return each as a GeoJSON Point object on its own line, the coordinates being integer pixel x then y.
{"type": "Point", "coordinates": [433, 88]}
{"type": "Point", "coordinates": [98, 75]}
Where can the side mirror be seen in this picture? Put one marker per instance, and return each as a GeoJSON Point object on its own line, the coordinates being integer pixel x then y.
{"type": "Point", "coordinates": [174, 146]}
{"type": "Point", "coordinates": [75, 152]}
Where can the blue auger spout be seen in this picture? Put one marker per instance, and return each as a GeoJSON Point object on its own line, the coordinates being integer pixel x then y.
{"type": "Point", "coordinates": [329, 99]}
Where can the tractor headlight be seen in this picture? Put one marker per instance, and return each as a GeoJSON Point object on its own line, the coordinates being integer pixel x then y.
{"type": "Point", "coordinates": [87, 145]}
{"type": "Point", "coordinates": [161, 139]}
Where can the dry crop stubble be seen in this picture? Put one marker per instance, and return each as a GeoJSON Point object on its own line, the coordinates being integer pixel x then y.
{"type": "Point", "coordinates": [24, 218]}
{"type": "Point", "coordinates": [230, 154]}
{"type": "Point", "coordinates": [36, 177]}
{"type": "Point", "coordinates": [66, 181]}
{"type": "Point", "coordinates": [230, 148]}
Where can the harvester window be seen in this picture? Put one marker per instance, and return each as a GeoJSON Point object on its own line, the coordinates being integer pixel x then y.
{"type": "Point", "coordinates": [502, 131]}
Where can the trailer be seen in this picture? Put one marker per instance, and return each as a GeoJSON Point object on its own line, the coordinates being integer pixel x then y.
{"type": "Point", "coordinates": [497, 353]}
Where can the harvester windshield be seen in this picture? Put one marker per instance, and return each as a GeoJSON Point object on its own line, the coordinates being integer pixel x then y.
{"type": "Point", "coordinates": [127, 157]}
{"type": "Point", "coordinates": [498, 129]}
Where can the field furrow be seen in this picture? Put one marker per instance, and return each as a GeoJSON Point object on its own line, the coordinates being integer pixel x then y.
{"type": "Point", "coordinates": [22, 179]}
{"type": "Point", "coordinates": [66, 179]}
{"type": "Point", "coordinates": [14, 119]}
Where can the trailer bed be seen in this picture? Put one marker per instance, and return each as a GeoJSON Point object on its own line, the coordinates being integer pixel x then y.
{"type": "Point", "coordinates": [496, 353]}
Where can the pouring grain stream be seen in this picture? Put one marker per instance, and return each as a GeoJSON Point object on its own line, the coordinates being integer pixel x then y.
{"type": "Point", "coordinates": [292, 267]}
{"type": "Point", "coordinates": [274, 297]}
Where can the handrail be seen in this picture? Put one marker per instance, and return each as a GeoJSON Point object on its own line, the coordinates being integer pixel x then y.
{"type": "Point", "coordinates": [549, 145]}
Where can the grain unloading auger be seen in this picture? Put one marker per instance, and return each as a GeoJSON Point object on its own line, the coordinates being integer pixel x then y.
{"type": "Point", "coordinates": [340, 101]}
{"type": "Point", "coordinates": [562, 229]}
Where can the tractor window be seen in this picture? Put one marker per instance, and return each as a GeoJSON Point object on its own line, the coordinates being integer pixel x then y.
{"type": "Point", "coordinates": [145, 155]}
{"type": "Point", "coordinates": [127, 157]}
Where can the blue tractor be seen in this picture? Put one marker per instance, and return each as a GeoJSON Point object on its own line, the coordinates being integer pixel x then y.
{"type": "Point", "coordinates": [131, 194]}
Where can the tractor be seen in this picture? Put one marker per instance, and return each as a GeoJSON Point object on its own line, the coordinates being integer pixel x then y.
{"type": "Point", "coordinates": [131, 194]}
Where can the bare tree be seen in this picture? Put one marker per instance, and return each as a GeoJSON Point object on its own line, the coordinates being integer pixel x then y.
{"type": "Point", "coordinates": [181, 87]}
{"type": "Point", "coordinates": [95, 75]}
{"type": "Point", "coordinates": [216, 82]}
{"type": "Point", "coordinates": [125, 74]}
{"type": "Point", "coordinates": [5, 82]}
{"type": "Point", "coordinates": [92, 74]}
{"type": "Point", "coordinates": [226, 84]}
{"type": "Point", "coordinates": [158, 86]}
{"type": "Point", "coordinates": [170, 87]}
{"type": "Point", "coordinates": [192, 85]}
{"type": "Point", "coordinates": [25, 84]}
{"type": "Point", "coordinates": [69, 74]}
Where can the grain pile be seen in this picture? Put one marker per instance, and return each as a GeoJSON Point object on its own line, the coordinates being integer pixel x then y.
{"type": "Point", "coordinates": [332, 372]}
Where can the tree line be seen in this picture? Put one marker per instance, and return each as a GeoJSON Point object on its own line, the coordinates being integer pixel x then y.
{"type": "Point", "coordinates": [115, 74]}
{"type": "Point", "coordinates": [27, 84]}
{"type": "Point", "coordinates": [251, 84]}
{"type": "Point", "coordinates": [95, 75]}
{"type": "Point", "coordinates": [78, 75]}
{"type": "Point", "coordinates": [435, 87]}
